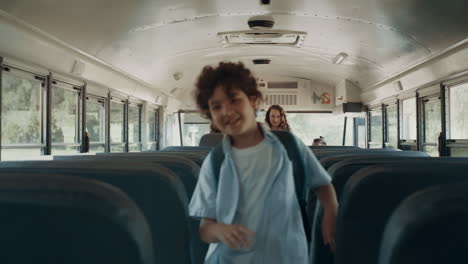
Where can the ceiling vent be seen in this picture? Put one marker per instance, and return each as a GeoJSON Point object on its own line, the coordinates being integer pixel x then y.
{"type": "Point", "coordinates": [280, 99]}
{"type": "Point", "coordinates": [261, 22]}
{"type": "Point", "coordinates": [263, 37]}
{"type": "Point", "coordinates": [261, 61]}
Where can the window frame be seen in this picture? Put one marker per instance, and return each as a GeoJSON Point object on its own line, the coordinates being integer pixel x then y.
{"type": "Point", "coordinates": [103, 124]}
{"type": "Point", "coordinates": [31, 76]}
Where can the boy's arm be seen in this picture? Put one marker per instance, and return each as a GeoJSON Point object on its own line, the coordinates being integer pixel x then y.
{"type": "Point", "coordinates": [327, 196]}
{"type": "Point", "coordinates": [235, 236]}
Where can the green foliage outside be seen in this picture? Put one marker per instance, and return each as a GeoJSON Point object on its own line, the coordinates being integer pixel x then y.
{"type": "Point", "coordinates": [21, 110]}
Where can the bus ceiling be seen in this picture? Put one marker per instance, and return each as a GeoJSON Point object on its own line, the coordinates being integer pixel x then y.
{"type": "Point", "coordinates": [156, 48]}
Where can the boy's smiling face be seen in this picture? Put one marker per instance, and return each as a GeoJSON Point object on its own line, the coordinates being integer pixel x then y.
{"type": "Point", "coordinates": [233, 114]}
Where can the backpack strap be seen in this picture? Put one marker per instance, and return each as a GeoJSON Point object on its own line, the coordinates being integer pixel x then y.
{"type": "Point", "coordinates": [290, 144]}
{"type": "Point", "coordinates": [217, 158]}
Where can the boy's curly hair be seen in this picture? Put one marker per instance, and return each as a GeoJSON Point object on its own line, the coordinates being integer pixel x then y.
{"type": "Point", "coordinates": [229, 76]}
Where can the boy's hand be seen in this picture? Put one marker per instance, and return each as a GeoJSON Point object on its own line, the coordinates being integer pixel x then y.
{"type": "Point", "coordinates": [326, 195]}
{"type": "Point", "coordinates": [329, 227]}
{"type": "Point", "coordinates": [234, 236]}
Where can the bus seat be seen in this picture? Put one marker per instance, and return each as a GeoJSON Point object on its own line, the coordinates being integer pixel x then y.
{"type": "Point", "coordinates": [202, 149]}
{"type": "Point", "coordinates": [327, 162]}
{"type": "Point", "coordinates": [323, 153]}
{"type": "Point", "coordinates": [196, 157]}
{"type": "Point", "coordinates": [155, 189]}
{"type": "Point", "coordinates": [340, 172]}
{"type": "Point", "coordinates": [428, 227]}
{"type": "Point", "coordinates": [186, 170]}
{"type": "Point", "coordinates": [50, 218]}
{"type": "Point", "coordinates": [370, 196]}
{"type": "Point", "coordinates": [210, 140]}
{"type": "Point", "coordinates": [331, 147]}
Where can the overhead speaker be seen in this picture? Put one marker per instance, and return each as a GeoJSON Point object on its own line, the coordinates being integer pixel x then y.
{"type": "Point", "coordinates": [261, 61]}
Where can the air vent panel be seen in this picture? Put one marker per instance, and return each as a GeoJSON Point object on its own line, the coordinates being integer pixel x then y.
{"type": "Point", "coordinates": [263, 37]}
{"type": "Point", "coordinates": [281, 99]}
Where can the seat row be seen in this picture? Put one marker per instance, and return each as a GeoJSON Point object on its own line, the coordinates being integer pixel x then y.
{"type": "Point", "coordinates": [115, 208]}
{"type": "Point", "coordinates": [379, 192]}
{"type": "Point", "coordinates": [132, 207]}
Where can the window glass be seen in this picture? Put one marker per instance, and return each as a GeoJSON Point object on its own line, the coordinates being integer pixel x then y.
{"type": "Point", "coordinates": [65, 150]}
{"type": "Point", "coordinates": [152, 130]}
{"type": "Point", "coordinates": [194, 132]}
{"type": "Point", "coordinates": [21, 110]}
{"type": "Point", "coordinates": [392, 125]}
{"type": "Point", "coordinates": [116, 122]}
{"type": "Point", "coordinates": [376, 127]}
{"type": "Point", "coordinates": [171, 130]}
{"type": "Point", "coordinates": [64, 115]}
{"type": "Point", "coordinates": [117, 148]}
{"type": "Point", "coordinates": [308, 126]}
{"type": "Point", "coordinates": [95, 121]}
{"type": "Point", "coordinates": [432, 126]}
{"type": "Point", "coordinates": [133, 124]}
{"type": "Point", "coordinates": [96, 148]}
{"type": "Point", "coordinates": [194, 127]}
{"type": "Point", "coordinates": [361, 130]}
{"type": "Point", "coordinates": [432, 121]}
{"type": "Point", "coordinates": [458, 152]}
{"type": "Point", "coordinates": [349, 131]}
{"type": "Point", "coordinates": [151, 126]}
{"type": "Point", "coordinates": [408, 119]}
{"type": "Point", "coordinates": [459, 111]}
{"type": "Point", "coordinates": [21, 153]}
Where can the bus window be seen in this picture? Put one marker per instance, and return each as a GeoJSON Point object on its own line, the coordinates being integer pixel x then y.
{"type": "Point", "coordinates": [95, 122]}
{"type": "Point", "coordinates": [408, 132]}
{"type": "Point", "coordinates": [117, 126]}
{"type": "Point", "coordinates": [360, 129]}
{"type": "Point", "coordinates": [65, 119]}
{"type": "Point", "coordinates": [391, 140]}
{"type": "Point", "coordinates": [349, 141]}
{"type": "Point", "coordinates": [308, 126]}
{"type": "Point", "coordinates": [152, 141]}
{"type": "Point", "coordinates": [194, 126]}
{"type": "Point", "coordinates": [21, 116]}
{"type": "Point", "coordinates": [431, 125]}
{"type": "Point", "coordinates": [458, 136]}
{"type": "Point", "coordinates": [134, 128]}
{"type": "Point", "coordinates": [375, 119]}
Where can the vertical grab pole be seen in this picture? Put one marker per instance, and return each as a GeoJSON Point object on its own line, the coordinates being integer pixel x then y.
{"type": "Point", "coordinates": [344, 131]}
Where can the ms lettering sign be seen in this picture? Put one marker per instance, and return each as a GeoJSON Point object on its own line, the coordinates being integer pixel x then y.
{"type": "Point", "coordinates": [324, 98]}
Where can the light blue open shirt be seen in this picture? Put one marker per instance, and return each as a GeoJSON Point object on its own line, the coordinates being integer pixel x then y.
{"type": "Point", "coordinates": [279, 237]}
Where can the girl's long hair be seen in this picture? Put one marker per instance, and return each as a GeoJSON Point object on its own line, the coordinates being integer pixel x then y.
{"type": "Point", "coordinates": [284, 122]}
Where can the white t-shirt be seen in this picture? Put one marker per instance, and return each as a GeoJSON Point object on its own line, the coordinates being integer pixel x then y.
{"type": "Point", "coordinates": [254, 169]}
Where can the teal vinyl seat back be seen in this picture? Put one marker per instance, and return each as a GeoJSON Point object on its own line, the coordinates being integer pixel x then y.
{"type": "Point", "coordinates": [186, 170]}
{"type": "Point", "coordinates": [196, 157]}
{"type": "Point", "coordinates": [327, 162]}
{"type": "Point", "coordinates": [373, 193]}
{"type": "Point", "coordinates": [210, 140]}
{"type": "Point", "coordinates": [156, 190]}
{"type": "Point", "coordinates": [428, 227]}
{"type": "Point", "coordinates": [54, 219]}
{"type": "Point", "coordinates": [323, 153]}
